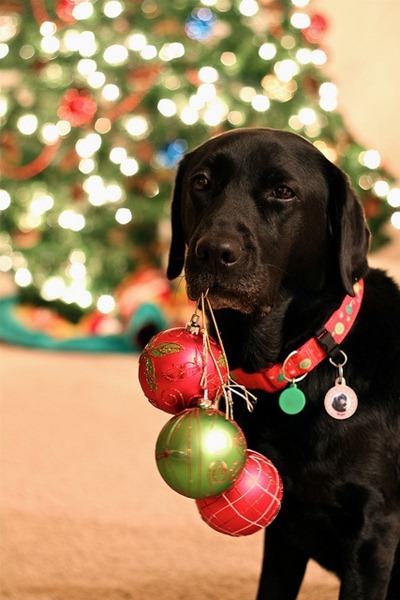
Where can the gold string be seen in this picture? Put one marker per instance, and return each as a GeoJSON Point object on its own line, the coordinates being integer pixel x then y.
{"type": "Point", "coordinates": [231, 385]}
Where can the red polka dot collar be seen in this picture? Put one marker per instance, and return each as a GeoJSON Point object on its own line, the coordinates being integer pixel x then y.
{"type": "Point", "coordinates": [309, 355]}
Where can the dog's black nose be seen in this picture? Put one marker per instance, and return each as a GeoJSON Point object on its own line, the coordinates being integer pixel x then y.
{"type": "Point", "coordinates": [220, 252]}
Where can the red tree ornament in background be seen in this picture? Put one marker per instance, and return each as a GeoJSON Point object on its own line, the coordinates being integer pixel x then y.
{"type": "Point", "coordinates": [77, 107]}
{"type": "Point", "coordinates": [176, 369]}
{"type": "Point", "coordinates": [64, 10]}
{"type": "Point", "coordinates": [314, 32]}
{"type": "Point", "coordinates": [251, 504]}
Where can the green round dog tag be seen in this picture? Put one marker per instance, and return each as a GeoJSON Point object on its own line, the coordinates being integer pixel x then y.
{"type": "Point", "coordinates": [292, 400]}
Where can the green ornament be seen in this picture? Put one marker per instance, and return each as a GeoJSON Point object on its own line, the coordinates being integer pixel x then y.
{"type": "Point", "coordinates": [292, 400]}
{"type": "Point", "coordinates": [200, 453]}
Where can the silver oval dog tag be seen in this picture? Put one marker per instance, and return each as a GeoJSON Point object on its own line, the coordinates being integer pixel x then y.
{"type": "Point", "coordinates": [341, 401]}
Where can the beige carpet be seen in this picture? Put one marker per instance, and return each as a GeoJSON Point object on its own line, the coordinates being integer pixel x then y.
{"type": "Point", "coordinates": [85, 514]}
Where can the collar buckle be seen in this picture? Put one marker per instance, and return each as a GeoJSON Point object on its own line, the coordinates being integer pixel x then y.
{"type": "Point", "coordinates": [326, 340]}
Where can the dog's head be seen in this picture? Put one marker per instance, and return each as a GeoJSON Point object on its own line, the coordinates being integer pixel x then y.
{"type": "Point", "coordinates": [256, 211]}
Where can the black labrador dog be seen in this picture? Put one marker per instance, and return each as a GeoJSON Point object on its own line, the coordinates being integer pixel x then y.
{"type": "Point", "coordinates": [271, 228]}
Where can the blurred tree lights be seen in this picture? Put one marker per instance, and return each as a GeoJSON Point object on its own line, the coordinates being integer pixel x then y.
{"type": "Point", "coordinates": [102, 98]}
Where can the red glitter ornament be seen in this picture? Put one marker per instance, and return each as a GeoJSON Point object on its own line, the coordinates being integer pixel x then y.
{"type": "Point", "coordinates": [175, 369]}
{"type": "Point", "coordinates": [77, 107]}
{"type": "Point", "coordinates": [250, 504]}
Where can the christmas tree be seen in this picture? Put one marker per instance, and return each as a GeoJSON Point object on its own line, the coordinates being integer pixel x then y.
{"type": "Point", "coordinates": [103, 97]}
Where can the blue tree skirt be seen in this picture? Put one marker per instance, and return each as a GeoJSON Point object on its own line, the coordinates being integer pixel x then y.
{"type": "Point", "coordinates": [145, 322]}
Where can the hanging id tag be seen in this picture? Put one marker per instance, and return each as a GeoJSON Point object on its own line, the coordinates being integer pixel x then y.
{"type": "Point", "coordinates": [341, 401]}
{"type": "Point", "coordinates": [292, 400]}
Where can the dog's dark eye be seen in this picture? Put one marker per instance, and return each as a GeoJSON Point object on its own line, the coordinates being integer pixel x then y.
{"type": "Point", "coordinates": [284, 192]}
{"type": "Point", "coordinates": [200, 183]}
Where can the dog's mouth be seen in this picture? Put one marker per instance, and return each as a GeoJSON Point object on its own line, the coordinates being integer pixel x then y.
{"type": "Point", "coordinates": [219, 301]}
{"type": "Point", "coordinates": [220, 298]}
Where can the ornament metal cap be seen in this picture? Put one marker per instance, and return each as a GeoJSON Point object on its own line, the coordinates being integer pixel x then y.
{"type": "Point", "coordinates": [193, 325]}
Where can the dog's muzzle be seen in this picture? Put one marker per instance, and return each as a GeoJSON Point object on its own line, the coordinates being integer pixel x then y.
{"type": "Point", "coordinates": [221, 266]}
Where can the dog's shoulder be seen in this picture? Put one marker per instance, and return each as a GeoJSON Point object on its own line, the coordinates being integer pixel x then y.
{"type": "Point", "coordinates": [381, 306]}
{"type": "Point", "coordinates": [379, 282]}
{"type": "Point", "coordinates": [374, 346]}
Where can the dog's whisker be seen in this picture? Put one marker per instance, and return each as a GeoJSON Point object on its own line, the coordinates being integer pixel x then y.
{"type": "Point", "coordinates": [272, 266]}
{"type": "Point", "coordinates": [181, 280]}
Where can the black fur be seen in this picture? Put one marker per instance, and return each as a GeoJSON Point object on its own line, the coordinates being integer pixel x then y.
{"type": "Point", "coordinates": [273, 230]}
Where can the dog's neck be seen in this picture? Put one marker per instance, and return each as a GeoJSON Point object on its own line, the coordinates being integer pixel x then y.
{"type": "Point", "coordinates": [255, 341]}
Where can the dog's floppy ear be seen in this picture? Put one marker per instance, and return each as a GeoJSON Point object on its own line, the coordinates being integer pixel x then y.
{"type": "Point", "coordinates": [349, 230]}
{"type": "Point", "coordinates": [177, 249]}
